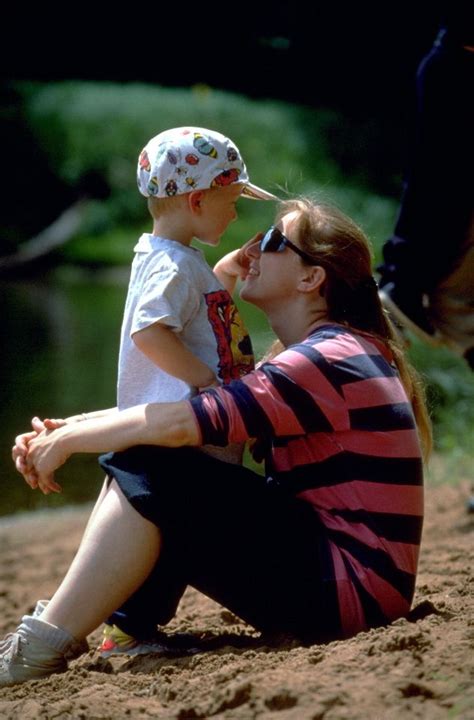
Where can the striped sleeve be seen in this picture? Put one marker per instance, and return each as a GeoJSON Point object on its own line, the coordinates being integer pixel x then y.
{"type": "Point", "coordinates": [324, 385]}
{"type": "Point", "coordinates": [289, 396]}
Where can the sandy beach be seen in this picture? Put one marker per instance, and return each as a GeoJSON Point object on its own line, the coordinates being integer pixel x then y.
{"type": "Point", "coordinates": [421, 667]}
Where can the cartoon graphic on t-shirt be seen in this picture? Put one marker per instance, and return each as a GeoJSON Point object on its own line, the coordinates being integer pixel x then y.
{"type": "Point", "coordinates": [234, 347]}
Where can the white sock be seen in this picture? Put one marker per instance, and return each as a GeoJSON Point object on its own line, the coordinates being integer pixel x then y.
{"type": "Point", "coordinates": [56, 637]}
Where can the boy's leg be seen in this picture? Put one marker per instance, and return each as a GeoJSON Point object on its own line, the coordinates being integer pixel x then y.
{"type": "Point", "coordinates": [155, 602]}
{"type": "Point", "coordinates": [132, 629]}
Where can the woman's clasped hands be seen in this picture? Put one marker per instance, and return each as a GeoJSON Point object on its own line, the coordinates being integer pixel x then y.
{"type": "Point", "coordinates": [36, 456]}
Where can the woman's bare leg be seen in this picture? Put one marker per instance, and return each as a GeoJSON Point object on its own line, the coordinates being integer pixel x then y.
{"type": "Point", "coordinates": [116, 555]}
{"type": "Point", "coordinates": [103, 492]}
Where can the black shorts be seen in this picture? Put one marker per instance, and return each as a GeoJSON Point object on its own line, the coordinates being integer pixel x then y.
{"type": "Point", "coordinates": [233, 536]}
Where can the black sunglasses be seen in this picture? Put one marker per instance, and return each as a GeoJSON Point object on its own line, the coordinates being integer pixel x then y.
{"type": "Point", "coordinates": [275, 241]}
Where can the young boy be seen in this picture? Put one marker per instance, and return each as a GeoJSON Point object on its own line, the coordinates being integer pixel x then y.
{"type": "Point", "coordinates": [181, 332]}
{"type": "Point", "coordinates": [179, 322]}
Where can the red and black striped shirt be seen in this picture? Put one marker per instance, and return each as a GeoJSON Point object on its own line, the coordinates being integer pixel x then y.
{"type": "Point", "coordinates": [342, 437]}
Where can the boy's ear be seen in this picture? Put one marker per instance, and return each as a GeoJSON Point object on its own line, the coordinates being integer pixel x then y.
{"type": "Point", "coordinates": [195, 199]}
{"type": "Point", "coordinates": [312, 278]}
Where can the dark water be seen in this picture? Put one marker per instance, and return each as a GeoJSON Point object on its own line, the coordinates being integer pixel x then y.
{"type": "Point", "coordinates": [59, 340]}
{"type": "Point", "coordinates": [59, 345]}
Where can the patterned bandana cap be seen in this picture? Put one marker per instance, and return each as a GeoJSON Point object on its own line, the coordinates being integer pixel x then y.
{"type": "Point", "coordinates": [183, 159]}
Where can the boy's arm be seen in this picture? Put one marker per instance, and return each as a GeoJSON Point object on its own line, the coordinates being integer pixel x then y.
{"type": "Point", "coordinates": [162, 346]}
{"type": "Point", "coordinates": [234, 265]}
{"type": "Point", "coordinates": [228, 270]}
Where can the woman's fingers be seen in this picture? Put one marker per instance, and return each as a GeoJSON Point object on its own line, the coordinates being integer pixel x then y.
{"type": "Point", "coordinates": [19, 457]}
{"type": "Point", "coordinates": [47, 423]}
{"type": "Point", "coordinates": [21, 444]}
{"type": "Point", "coordinates": [37, 424]}
{"type": "Point", "coordinates": [23, 456]}
{"type": "Point", "coordinates": [24, 468]}
{"type": "Point", "coordinates": [47, 484]}
{"type": "Point", "coordinates": [53, 424]}
{"type": "Point", "coordinates": [45, 456]}
{"type": "Point", "coordinates": [31, 479]}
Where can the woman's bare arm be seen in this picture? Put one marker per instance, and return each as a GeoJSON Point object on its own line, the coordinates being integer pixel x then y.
{"type": "Point", "coordinates": [167, 424]}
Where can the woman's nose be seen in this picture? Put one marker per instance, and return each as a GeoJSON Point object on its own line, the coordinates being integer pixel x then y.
{"type": "Point", "coordinates": [253, 250]}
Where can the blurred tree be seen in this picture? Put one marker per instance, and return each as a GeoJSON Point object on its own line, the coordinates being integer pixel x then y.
{"type": "Point", "coordinates": [355, 58]}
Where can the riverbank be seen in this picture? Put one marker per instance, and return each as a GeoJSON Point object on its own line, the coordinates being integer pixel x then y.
{"type": "Point", "coordinates": [419, 668]}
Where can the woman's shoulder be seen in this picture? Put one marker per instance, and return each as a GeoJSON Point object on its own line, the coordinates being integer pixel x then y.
{"type": "Point", "coordinates": [343, 353]}
{"type": "Point", "coordinates": [341, 338]}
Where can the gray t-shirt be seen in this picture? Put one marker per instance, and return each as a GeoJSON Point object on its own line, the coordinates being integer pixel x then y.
{"type": "Point", "coordinates": [171, 283]}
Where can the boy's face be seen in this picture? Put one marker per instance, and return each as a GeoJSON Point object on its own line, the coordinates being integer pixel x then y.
{"type": "Point", "coordinates": [218, 210]}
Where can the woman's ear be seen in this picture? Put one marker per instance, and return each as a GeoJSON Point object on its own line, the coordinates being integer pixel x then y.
{"type": "Point", "coordinates": [195, 200]}
{"type": "Point", "coordinates": [312, 278]}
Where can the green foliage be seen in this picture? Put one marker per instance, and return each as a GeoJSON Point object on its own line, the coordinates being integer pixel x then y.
{"type": "Point", "coordinates": [101, 127]}
{"type": "Point", "coordinates": [450, 394]}
{"type": "Point", "coordinates": [289, 149]}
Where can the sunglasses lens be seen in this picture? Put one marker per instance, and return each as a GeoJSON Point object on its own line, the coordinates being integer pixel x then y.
{"type": "Point", "coordinates": [272, 241]}
{"type": "Point", "coordinates": [275, 241]}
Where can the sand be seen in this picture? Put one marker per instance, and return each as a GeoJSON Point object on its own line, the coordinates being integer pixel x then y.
{"type": "Point", "coordinates": [422, 667]}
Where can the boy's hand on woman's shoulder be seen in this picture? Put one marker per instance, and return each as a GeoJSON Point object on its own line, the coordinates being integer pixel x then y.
{"type": "Point", "coordinates": [235, 264]}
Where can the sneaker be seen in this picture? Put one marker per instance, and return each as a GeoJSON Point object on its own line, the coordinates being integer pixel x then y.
{"type": "Point", "coordinates": [407, 310]}
{"type": "Point", "coordinates": [77, 648]}
{"type": "Point", "coordinates": [23, 657]}
{"type": "Point", "coordinates": [117, 642]}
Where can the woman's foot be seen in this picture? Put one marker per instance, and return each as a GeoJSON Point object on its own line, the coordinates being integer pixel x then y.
{"type": "Point", "coordinates": [25, 656]}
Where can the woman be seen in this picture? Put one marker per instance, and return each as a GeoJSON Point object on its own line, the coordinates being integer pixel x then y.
{"type": "Point", "coordinates": [324, 546]}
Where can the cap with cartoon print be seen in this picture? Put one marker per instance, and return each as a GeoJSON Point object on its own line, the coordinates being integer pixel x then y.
{"type": "Point", "coordinates": [183, 159]}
